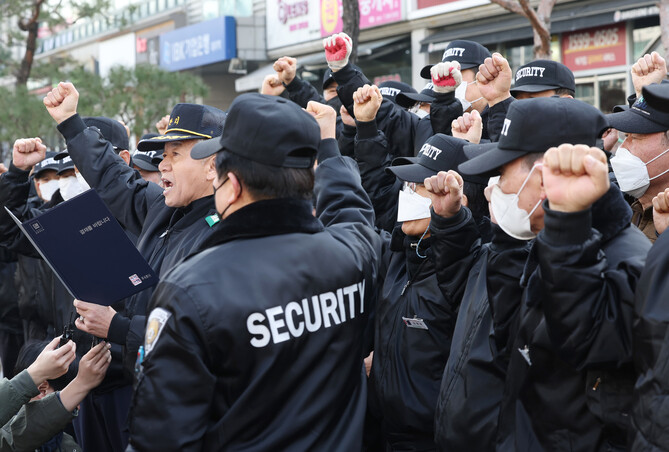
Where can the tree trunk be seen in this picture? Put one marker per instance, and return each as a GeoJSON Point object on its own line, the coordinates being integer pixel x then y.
{"type": "Point", "coordinates": [31, 26]}
{"type": "Point", "coordinates": [664, 25]}
{"type": "Point", "coordinates": [540, 20]}
{"type": "Point", "coordinates": [351, 18]}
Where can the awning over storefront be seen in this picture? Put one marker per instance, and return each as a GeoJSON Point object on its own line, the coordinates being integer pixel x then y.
{"type": "Point", "coordinates": [565, 18]}
{"type": "Point", "coordinates": [254, 80]}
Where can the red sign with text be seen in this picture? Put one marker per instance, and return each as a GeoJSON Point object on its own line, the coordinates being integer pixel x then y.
{"type": "Point", "coordinates": [595, 48]}
{"type": "Point", "coordinates": [420, 4]}
{"type": "Point", "coordinates": [372, 14]}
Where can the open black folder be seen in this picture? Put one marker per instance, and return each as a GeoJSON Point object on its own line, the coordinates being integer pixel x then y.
{"type": "Point", "coordinates": [87, 249]}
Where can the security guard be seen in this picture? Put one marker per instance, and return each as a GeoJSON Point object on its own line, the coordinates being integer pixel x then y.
{"type": "Point", "coordinates": [255, 342]}
{"type": "Point", "coordinates": [170, 222]}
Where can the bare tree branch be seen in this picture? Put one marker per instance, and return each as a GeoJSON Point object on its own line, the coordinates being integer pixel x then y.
{"type": "Point", "coordinates": [510, 5]}
{"type": "Point", "coordinates": [531, 14]}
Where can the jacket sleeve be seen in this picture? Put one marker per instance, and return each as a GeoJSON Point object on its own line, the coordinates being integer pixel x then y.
{"type": "Point", "coordinates": [506, 262]}
{"type": "Point", "coordinates": [588, 296]}
{"type": "Point", "coordinates": [301, 92]}
{"type": "Point", "coordinates": [14, 194]}
{"type": "Point", "coordinates": [456, 244]}
{"type": "Point", "coordinates": [340, 197]}
{"type": "Point", "coordinates": [162, 417]}
{"type": "Point", "coordinates": [127, 195]}
{"type": "Point", "coordinates": [346, 139]}
{"type": "Point", "coordinates": [36, 423]}
{"type": "Point", "coordinates": [14, 394]}
{"type": "Point", "coordinates": [496, 116]}
{"type": "Point", "coordinates": [443, 111]}
{"type": "Point", "coordinates": [371, 153]}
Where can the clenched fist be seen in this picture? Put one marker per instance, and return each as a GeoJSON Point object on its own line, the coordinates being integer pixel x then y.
{"type": "Point", "coordinates": [61, 102]}
{"type": "Point", "coordinates": [494, 79]}
{"type": "Point", "coordinates": [661, 211]}
{"type": "Point", "coordinates": [575, 176]}
{"type": "Point", "coordinates": [648, 69]}
{"type": "Point", "coordinates": [366, 102]}
{"type": "Point", "coordinates": [325, 116]}
{"type": "Point", "coordinates": [468, 127]}
{"type": "Point", "coordinates": [446, 192]}
{"type": "Point", "coordinates": [27, 152]}
{"type": "Point", "coordinates": [338, 49]}
{"type": "Point", "coordinates": [285, 68]}
{"type": "Point", "coordinates": [272, 85]}
{"type": "Point", "coordinates": [446, 76]}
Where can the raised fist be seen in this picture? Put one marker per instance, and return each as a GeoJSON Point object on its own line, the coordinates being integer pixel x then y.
{"type": "Point", "coordinates": [661, 211]}
{"type": "Point", "coordinates": [366, 102]}
{"type": "Point", "coordinates": [27, 152]}
{"type": "Point", "coordinates": [272, 86]}
{"type": "Point", "coordinates": [648, 69]}
{"type": "Point", "coordinates": [285, 68]}
{"type": "Point", "coordinates": [345, 117]}
{"type": "Point", "coordinates": [337, 50]}
{"type": "Point", "coordinates": [468, 127]}
{"type": "Point", "coordinates": [446, 76]}
{"type": "Point", "coordinates": [494, 79]}
{"type": "Point", "coordinates": [61, 102]}
{"type": "Point", "coordinates": [575, 176]}
{"type": "Point", "coordinates": [162, 124]}
{"type": "Point", "coordinates": [446, 192]}
{"type": "Point", "coordinates": [325, 116]}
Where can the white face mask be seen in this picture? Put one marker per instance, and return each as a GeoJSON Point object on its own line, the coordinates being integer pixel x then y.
{"type": "Point", "coordinates": [512, 219]}
{"type": "Point", "coordinates": [70, 187]}
{"type": "Point", "coordinates": [418, 111]}
{"type": "Point", "coordinates": [461, 95]}
{"type": "Point", "coordinates": [412, 206]}
{"type": "Point", "coordinates": [82, 181]}
{"type": "Point", "coordinates": [47, 189]}
{"type": "Point", "coordinates": [632, 173]}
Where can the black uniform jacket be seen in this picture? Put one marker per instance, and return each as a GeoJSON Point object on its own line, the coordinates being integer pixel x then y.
{"type": "Point", "coordinates": [165, 234]}
{"type": "Point", "coordinates": [255, 343]}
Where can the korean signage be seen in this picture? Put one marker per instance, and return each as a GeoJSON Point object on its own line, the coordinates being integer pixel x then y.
{"type": "Point", "coordinates": [147, 43]}
{"type": "Point", "coordinates": [200, 44]}
{"type": "Point", "coordinates": [291, 22]}
{"type": "Point", "coordinates": [420, 4]}
{"type": "Point", "coordinates": [372, 14]}
{"type": "Point", "coordinates": [595, 48]}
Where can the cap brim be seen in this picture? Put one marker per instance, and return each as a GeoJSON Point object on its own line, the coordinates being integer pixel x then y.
{"type": "Point", "coordinates": [406, 100]}
{"type": "Point", "coordinates": [46, 168]}
{"type": "Point", "coordinates": [145, 165]}
{"type": "Point", "coordinates": [158, 142]}
{"type": "Point", "coordinates": [657, 96]}
{"type": "Point", "coordinates": [631, 121]}
{"type": "Point", "coordinates": [61, 155]}
{"type": "Point", "coordinates": [425, 72]}
{"type": "Point", "coordinates": [532, 88]}
{"type": "Point", "coordinates": [406, 169]}
{"type": "Point", "coordinates": [486, 159]}
{"type": "Point", "coordinates": [205, 148]}
{"type": "Point", "coordinates": [619, 108]}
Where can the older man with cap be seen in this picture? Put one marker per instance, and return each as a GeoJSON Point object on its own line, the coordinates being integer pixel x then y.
{"type": "Point", "coordinates": [275, 365]}
{"type": "Point", "coordinates": [170, 222]}
{"type": "Point", "coordinates": [547, 306]}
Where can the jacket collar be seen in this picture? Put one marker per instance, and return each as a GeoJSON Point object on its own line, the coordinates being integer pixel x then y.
{"type": "Point", "coordinates": [266, 218]}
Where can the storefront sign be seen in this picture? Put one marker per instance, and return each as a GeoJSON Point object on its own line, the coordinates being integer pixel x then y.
{"type": "Point", "coordinates": [291, 22]}
{"type": "Point", "coordinates": [595, 48]}
{"type": "Point", "coordinates": [372, 14]}
{"type": "Point", "coordinates": [636, 13]}
{"type": "Point", "coordinates": [420, 4]}
{"type": "Point", "coordinates": [200, 44]}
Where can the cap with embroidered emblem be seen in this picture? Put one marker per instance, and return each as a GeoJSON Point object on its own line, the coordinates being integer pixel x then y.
{"type": "Point", "coordinates": [49, 163]}
{"type": "Point", "coordinates": [542, 75]}
{"type": "Point", "coordinates": [469, 54]}
{"type": "Point", "coordinates": [641, 118]}
{"type": "Point", "coordinates": [187, 122]}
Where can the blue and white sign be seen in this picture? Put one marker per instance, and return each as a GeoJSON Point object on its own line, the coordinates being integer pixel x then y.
{"type": "Point", "coordinates": [200, 44]}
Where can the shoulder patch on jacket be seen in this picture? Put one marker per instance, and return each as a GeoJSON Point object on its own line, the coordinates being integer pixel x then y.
{"type": "Point", "coordinates": [154, 326]}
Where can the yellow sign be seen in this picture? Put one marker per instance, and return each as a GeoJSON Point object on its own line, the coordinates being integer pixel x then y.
{"type": "Point", "coordinates": [329, 15]}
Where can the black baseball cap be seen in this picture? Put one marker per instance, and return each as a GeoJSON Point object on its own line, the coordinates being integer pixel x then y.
{"type": "Point", "coordinates": [542, 75]}
{"type": "Point", "coordinates": [266, 129]}
{"type": "Point", "coordinates": [657, 95]}
{"type": "Point", "coordinates": [49, 163]}
{"type": "Point", "coordinates": [187, 122]}
{"type": "Point", "coordinates": [439, 153]}
{"type": "Point", "coordinates": [535, 125]}
{"type": "Point", "coordinates": [469, 54]}
{"type": "Point", "coordinates": [65, 162]}
{"type": "Point", "coordinates": [112, 130]}
{"type": "Point", "coordinates": [145, 160]}
{"type": "Point", "coordinates": [640, 118]}
{"type": "Point", "coordinates": [407, 100]}
{"type": "Point", "coordinates": [391, 88]}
